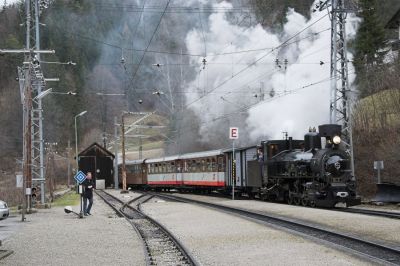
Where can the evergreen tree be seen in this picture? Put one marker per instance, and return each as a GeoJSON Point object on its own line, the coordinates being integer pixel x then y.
{"type": "Point", "coordinates": [370, 36]}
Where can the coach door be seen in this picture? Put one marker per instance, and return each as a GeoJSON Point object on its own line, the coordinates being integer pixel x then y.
{"type": "Point", "coordinates": [179, 170]}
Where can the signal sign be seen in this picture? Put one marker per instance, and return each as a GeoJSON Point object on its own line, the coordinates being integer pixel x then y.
{"type": "Point", "coordinates": [233, 133]}
{"type": "Point", "coordinates": [80, 177]}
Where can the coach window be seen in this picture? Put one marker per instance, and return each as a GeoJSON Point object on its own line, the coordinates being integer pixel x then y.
{"type": "Point", "coordinates": [203, 165]}
{"type": "Point", "coordinates": [162, 167]}
{"type": "Point", "coordinates": [209, 165]}
{"type": "Point", "coordinates": [193, 166]}
{"type": "Point", "coordinates": [221, 166]}
{"type": "Point", "coordinates": [173, 168]}
{"type": "Point", "coordinates": [214, 165]}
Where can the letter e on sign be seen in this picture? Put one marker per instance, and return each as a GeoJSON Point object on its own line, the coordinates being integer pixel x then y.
{"type": "Point", "coordinates": [233, 133]}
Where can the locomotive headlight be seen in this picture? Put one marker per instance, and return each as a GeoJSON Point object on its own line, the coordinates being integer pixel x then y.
{"type": "Point", "coordinates": [336, 140]}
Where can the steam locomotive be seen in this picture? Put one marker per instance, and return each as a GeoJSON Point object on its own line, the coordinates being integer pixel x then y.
{"type": "Point", "coordinates": [309, 172]}
{"type": "Point", "coordinates": [315, 171]}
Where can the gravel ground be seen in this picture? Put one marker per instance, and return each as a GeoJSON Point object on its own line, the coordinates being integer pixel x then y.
{"type": "Point", "coordinates": [52, 237]}
{"type": "Point", "coordinates": [370, 227]}
{"type": "Point", "coordinates": [216, 238]}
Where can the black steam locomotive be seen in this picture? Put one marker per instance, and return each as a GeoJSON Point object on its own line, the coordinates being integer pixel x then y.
{"type": "Point", "coordinates": [315, 171]}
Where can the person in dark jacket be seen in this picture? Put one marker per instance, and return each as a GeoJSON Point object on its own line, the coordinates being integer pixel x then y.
{"type": "Point", "coordinates": [88, 186]}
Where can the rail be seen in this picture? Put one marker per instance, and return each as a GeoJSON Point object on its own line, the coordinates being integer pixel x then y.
{"type": "Point", "coordinates": [160, 245]}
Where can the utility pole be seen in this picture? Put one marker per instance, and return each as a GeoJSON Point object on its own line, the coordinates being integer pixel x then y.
{"type": "Point", "coordinates": [116, 153]}
{"type": "Point", "coordinates": [69, 163]}
{"type": "Point", "coordinates": [340, 107]}
{"type": "Point", "coordinates": [37, 114]}
{"type": "Point", "coordinates": [27, 93]}
{"type": "Point", "coordinates": [123, 173]}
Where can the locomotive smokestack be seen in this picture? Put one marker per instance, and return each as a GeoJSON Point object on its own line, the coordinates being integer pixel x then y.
{"type": "Point", "coordinates": [312, 140]}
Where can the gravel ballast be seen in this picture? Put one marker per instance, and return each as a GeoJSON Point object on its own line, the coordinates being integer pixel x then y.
{"type": "Point", "coordinates": [216, 238]}
{"type": "Point", "coordinates": [372, 228]}
{"type": "Point", "coordinates": [52, 237]}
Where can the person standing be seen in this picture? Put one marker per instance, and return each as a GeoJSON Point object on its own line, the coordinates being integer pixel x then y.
{"type": "Point", "coordinates": [88, 185]}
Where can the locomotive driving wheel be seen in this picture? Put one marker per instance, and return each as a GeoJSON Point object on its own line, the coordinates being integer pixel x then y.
{"type": "Point", "coordinates": [304, 201]}
{"type": "Point", "coordinates": [296, 200]}
{"type": "Point", "coordinates": [312, 203]}
{"type": "Point", "coordinates": [288, 198]}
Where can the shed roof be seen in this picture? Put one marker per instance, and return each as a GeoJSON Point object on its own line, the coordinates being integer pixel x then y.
{"type": "Point", "coordinates": [95, 147]}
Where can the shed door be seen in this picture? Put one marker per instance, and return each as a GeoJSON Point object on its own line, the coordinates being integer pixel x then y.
{"type": "Point", "coordinates": [88, 164]}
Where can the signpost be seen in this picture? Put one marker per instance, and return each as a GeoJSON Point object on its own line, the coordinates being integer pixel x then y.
{"type": "Point", "coordinates": [233, 134]}
{"type": "Point", "coordinates": [80, 177]}
{"type": "Point", "coordinates": [378, 165]}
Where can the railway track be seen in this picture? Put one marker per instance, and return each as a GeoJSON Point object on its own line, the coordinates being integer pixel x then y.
{"type": "Point", "coordinates": [386, 214]}
{"type": "Point", "coordinates": [161, 247]}
{"type": "Point", "coordinates": [392, 215]}
{"type": "Point", "coordinates": [374, 251]}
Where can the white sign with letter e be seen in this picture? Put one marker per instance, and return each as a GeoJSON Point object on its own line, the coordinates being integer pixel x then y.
{"type": "Point", "coordinates": [233, 132]}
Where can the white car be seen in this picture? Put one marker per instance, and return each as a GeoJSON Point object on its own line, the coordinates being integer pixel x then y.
{"type": "Point", "coordinates": [4, 211]}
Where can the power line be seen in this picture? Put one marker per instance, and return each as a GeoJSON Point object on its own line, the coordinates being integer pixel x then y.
{"type": "Point", "coordinates": [179, 53]}
{"type": "Point", "coordinates": [152, 36]}
{"type": "Point", "coordinates": [245, 108]}
{"type": "Point", "coordinates": [171, 9]}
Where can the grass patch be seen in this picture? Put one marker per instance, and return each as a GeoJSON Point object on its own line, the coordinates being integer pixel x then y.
{"type": "Point", "coordinates": [69, 199]}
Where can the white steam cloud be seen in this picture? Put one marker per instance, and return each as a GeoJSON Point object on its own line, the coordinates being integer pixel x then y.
{"type": "Point", "coordinates": [228, 89]}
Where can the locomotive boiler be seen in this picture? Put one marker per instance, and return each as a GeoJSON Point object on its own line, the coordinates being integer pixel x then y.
{"type": "Point", "coordinates": [315, 171]}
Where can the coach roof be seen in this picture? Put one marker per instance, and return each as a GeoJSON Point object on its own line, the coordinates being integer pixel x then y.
{"type": "Point", "coordinates": [201, 154]}
{"type": "Point", "coordinates": [192, 155]}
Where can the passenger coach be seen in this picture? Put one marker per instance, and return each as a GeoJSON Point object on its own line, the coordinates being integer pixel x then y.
{"type": "Point", "coordinates": [199, 170]}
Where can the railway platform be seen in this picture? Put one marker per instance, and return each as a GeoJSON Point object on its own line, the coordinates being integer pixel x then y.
{"type": "Point", "coordinates": [52, 237]}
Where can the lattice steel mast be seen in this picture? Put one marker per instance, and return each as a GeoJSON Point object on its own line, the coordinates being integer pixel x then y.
{"type": "Point", "coordinates": [340, 107]}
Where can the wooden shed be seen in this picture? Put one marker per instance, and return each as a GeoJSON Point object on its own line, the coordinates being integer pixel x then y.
{"type": "Point", "coordinates": [99, 161]}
